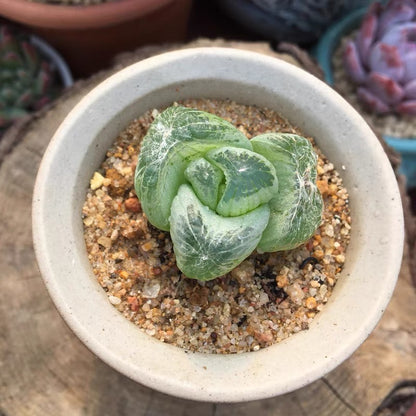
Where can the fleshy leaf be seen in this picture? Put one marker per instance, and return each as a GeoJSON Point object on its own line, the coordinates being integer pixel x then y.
{"type": "Point", "coordinates": [296, 211]}
{"type": "Point", "coordinates": [371, 101]}
{"type": "Point", "coordinates": [177, 136]}
{"type": "Point", "coordinates": [9, 115]}
{"type": "Point", "coordinates": [205, 179]}
{"type": "Point", "coordinates": [208, 245]}
{"type": "Point", "coordinates": [399, 35]}
{"type": "Point", "coordinates": [410, 65]}
{"type": "Point", "coordinates": [30, 56]}
{"type": "Point", "coordinates": [407, 107]}
{"type": "Point", "coordinates": [410, 89]}
{"type": "Point", "coordinates": [398, 12]}
{"type": "Point", "coordinates": [26, 73]}
{"type": "Point", "coordinates": [385, 88]}
{"type": "Point", "coordinates": [366, 35]}
{"type": "Point", "coordinates": [385, 59]}
{"type": "Point", "coordinates": [250, 180]}
{"type": "Point", "coordinates": [353, 64]}
{"type": "Point", "coordinates": [11, 60]}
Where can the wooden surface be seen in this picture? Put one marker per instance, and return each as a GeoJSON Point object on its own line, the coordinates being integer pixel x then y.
{"type": "Point", "coordinates": [46, 370]}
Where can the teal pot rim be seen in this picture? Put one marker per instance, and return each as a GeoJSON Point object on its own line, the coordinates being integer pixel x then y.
{"type": "Point", "coordinates": [404, 145]}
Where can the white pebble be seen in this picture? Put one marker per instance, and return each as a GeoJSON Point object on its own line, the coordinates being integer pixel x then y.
{"type": "Point", "coordinates": [264, 298]}
{"type": "Point", "coordinates": [296, 293]}
{"type": "Point", "coordinates": [96, 181]}
{"type": "Point", "coordinates": [151, 289]}
{"type": "Point", "coordinates": [114, 300]}
{"type": "Point", "coordinates": [329, 230]}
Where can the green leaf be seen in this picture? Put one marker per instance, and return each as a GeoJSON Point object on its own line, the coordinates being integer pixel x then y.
{"type": "Point", "coordinates": [11, 60]}
{"type": "Point", "coordinates": [8, 43]}
{"type": "Point", "coordinates": [25, 99]}
{"type": "Point", "coordinates": [208, 245]}
{"type": "Point", "coordinates": [10, 115]}
{"type": "Point", "coordinates": [8, 96]}
{"type": "Point", "coordinates": [205, 179]}
{"type": "Point", "coordinates": [296, 211]}
{"type": "Point", "coordinates": [177, 136]}
{"type": "Point", "coordinates": [31, 57]}
{"type": "Point", "coordinates": [250, 180]}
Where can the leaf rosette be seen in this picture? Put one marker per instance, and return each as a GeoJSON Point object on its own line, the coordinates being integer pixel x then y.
{"type": "Point", "coordinates": [221, 195]}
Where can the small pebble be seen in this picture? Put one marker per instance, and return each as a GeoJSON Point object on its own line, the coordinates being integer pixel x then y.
{"type": "Point", "coordinates": [133, 205]}
{"type": "Point", "coordinates": [114, 300]}
{"type": "Point", "coordinates": [151, 289]}
{"type": "Point", "coordinates": [311, 303]}
{"type": "Point", "coordinates": [295, 292]}
{"type": "Point", "coordinates": [329, 230]}
{"type": "Point", "coordinates": [282, 281]}
{"type": "Point", "coordinates": [340, 258]}
{"type": "Point", "coordinates": [105, 242]}
{"type": "Point", "coordinates": [96, 181]}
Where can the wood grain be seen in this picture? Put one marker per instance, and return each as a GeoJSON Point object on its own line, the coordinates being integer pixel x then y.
{"type": "Point", "coordinates": [46, 370]}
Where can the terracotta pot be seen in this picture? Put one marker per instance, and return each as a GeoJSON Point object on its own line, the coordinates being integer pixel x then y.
{"type": "Point", "coordinates": [88, 37]}
{"type": "Point", "coordinates": [373, 257]}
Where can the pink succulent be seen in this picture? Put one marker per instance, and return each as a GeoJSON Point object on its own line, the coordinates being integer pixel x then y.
{"type": "Point", "coordinates": [381, 60]}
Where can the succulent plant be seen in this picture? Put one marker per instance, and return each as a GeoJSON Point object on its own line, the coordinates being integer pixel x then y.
{"type": "Point", "coordinates": [26, 81]}
{"type": "Point", "coordinates": [220, 195]}
{"type": "Point", "coordinates": [382, 58]}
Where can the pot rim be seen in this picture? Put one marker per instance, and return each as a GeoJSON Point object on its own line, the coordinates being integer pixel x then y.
{"type": "Point", "coordinates": [210, 377]}
{"type": "Point", "coordinates": [78, 17]}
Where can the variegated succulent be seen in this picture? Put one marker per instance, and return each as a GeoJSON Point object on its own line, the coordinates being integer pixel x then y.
{"type": "Point", "coordinates": [381, 60]}
{"type": "Point", "coordinates": [221, 195]}
{"type": "Point", "coordinates": [25, 78]}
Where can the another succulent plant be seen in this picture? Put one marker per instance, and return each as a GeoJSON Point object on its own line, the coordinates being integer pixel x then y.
{"type": "Point", "coordinates": [25, 79]}
{"type": "Point", "coordinates": [382, 58]}
{"type": "Point", "coordinates": [220, 195]}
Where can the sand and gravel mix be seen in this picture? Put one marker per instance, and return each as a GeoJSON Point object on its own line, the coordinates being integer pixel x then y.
{"type": "Point", "coordinates": [264, 300]}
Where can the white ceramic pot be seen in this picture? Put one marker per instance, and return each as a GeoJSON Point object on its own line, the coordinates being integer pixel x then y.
{"type": "Point", "coordinates": [373, 257]}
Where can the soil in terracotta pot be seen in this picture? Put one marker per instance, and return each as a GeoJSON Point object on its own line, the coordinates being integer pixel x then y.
{"type": "Point", "coordinates": [387, 124]}
{"type": "Point", "coordinates": [264, 300]}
